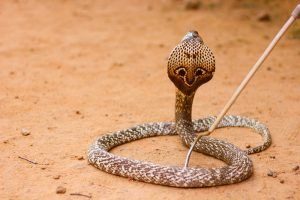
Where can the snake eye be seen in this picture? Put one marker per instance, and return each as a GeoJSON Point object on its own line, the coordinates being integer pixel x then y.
{"type": "Point", "coordinates": [181, 71]}
{"type": "Point", "coordinates": [199, 72]}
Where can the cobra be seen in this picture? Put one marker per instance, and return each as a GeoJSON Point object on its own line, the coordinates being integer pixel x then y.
{"type": "Point", "coordinates": [190, 64]}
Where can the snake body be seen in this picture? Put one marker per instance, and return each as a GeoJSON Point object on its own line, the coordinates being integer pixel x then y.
{"type": "Point", "coordinates": [190, 65]}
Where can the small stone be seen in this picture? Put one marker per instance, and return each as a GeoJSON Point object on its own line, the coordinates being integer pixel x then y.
{"type": "Point", "coordinates": [296, 168]}
{"type": "Point", "coordinates": [80, 158]}
{"type": "Point", "coordinates": [56, 177]}
{"type": "Point", "coordinates": [50, 128]}
{"type": "Point", "coordinates": [193, 5]}
{"type": "Point", "coordinates": [5, 141]}
{"type": "Point", "coordinates": [267, 37]}
{"type": "Point", "coordinates": [91, 183]}
{"type": "Point", "coordinates": [43, 168]}
{"type": "Point", "coordinates": [25, 132]}
{"type": "Point", "coordinates": [78, 112]}
{"type": "Point", "coordinates": [248, 146]}
{"type": "Point", "coordinates": [269, 68]}
{"type": "Point", "coordinates": [117, 64]}
{"type": "Point", "coordinates": [272, 174]}
{"type": "Point", "coordinates": [161, 45]}
{"type": "Point", "coordinates": [61, 190]}
{"type": "Point", "coordinates": [264, 17]}
{"type": "Point", "coordinates": [272, 157]}
{"type": "Point", "coordinates": [281, 181]}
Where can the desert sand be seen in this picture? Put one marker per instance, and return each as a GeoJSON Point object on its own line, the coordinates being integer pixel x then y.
{"type": "Point", "coordinates": [73, 70]}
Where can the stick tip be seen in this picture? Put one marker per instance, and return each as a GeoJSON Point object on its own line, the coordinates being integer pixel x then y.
{"type": "Point", "coordinates": [296, 12]}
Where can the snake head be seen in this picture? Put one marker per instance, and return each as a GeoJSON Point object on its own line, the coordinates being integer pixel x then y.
{"type": "Point", "coordinates": [191, 63]}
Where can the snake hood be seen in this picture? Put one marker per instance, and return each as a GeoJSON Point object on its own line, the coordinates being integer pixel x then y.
{"type": "Point", "coordinates": [191, 63]}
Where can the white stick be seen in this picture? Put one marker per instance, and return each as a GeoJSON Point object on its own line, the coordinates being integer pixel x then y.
{"type": "Point", "coordinates": [295, 14]}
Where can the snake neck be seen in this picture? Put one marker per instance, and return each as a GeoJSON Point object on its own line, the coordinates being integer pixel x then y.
{"type": "Point", "coordinates": [183, 116]}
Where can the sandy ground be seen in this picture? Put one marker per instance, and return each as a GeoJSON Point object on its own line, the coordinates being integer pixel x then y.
{"type": "Point", "coordinates": [73, 70]}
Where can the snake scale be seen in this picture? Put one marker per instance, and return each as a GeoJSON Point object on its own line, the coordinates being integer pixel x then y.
{"type": "Point", "coordinates": [190, 64]}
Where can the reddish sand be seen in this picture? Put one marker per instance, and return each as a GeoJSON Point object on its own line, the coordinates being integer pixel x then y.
{"type": "Point", "coordinates": [71, 71]}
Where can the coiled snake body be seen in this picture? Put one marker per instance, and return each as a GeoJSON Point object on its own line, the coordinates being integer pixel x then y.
{"type": "Point", "coordinates": [190, 65]}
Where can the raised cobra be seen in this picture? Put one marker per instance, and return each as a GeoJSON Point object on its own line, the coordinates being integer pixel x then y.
{"type": "Point", "coordinates": [190, 64]}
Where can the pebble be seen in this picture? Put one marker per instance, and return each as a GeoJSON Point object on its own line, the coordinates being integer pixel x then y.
{"type": "Point", "coordinates": [264, 17]}
{"type": "Point", "coordinates": [78, 112]}
{"type": "Point", "coordinates": [56, 177]}
{"type": "Point", "coordinates": [25, 132]}
{"type": "Point", "coordinates": [161, 45]}
{"type": "Point", "coordinates": [61, 190]}
{"type": "Point", "coordinates": [80, 158]}
{"type": "Point", "coordinates": [91, 183]}
{"type": "Point", "coordinates": [282, 181]}
{"type": "Point", "coordinates": [117, 64]}
{"type": "Point", "coordinates": [193, 5]}
{"type": "Point", "coordinates": [296, 168]}
{"type": "Point", "coordinates": [272, 157]}
{"type": "Point", "coordinates": [51, 128]}
{"type": "Point", "coordinates": [272, 174]}
{"type": "Point", "coordinates": [43, 168]}
{"type": "Point", "coordinates": [248, 146]}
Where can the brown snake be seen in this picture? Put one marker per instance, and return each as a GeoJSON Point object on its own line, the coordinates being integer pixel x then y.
{"type": "Point", "coordinates": [190, 64]}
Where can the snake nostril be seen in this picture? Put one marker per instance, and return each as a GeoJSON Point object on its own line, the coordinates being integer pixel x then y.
{"type": "Point", "coordinates": [190, 81]}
